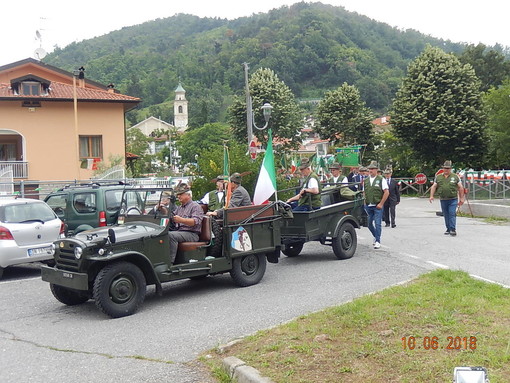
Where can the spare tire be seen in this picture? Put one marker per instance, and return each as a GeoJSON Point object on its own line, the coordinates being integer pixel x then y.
{"type": "Point", "coordinates": [215, 250]}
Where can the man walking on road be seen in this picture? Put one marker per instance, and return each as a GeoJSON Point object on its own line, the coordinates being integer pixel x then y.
{"type": "Point", "coordinates": [376, 193]}
{"type": "Point", "coordinates": [393, 199]}
{"type": "Point", "coordinates": [451, 195]}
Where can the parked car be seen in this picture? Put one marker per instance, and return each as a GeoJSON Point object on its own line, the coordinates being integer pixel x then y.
{"type": "Point", "coordinates": [28, 229]}
{"type": "Point", "coordinates": [84, 207]}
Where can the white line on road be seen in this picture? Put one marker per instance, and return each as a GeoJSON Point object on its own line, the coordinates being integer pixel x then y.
{"type": "Point", "coordinates": [489, 280]}
{"type": "Point", "coordinates": [441, 266]}
{"type": "Point", "coordinates": [410, 255]}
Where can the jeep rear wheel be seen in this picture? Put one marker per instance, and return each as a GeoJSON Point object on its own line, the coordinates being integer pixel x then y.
{"type": "Point", "coordinates": [119, 289]}
{"type": "Point", "coordinates": [248, 270]}
{"type": "Point", "coordinates": [293, 249]}
{"type": "Point", "coordinates": [67, 296]}
{"type": "Point", "coordinates": [345, 243]}
{"type": "Point", "coordinates": [215, 249]}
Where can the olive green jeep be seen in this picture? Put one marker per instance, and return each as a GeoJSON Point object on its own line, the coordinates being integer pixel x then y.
{"type": "Point", "coordinates": [114, 265]}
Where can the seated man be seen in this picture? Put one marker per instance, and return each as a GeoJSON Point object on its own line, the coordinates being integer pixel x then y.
{"type": "Point", "coordinates": [336, 172]}
{"type": "Point", "coordinates": [240, 196]}
{"type": "Point", "coordinates": [187, 218]}
{"type": "Point", "coordinates": [163, 208]}
{"type": "Point", "coordinates": [309, 198]}
{"type": "Point", "coordinates": [215, 199]}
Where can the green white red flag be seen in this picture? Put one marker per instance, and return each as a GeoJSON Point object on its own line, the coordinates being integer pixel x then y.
{"type": "Point", "coordinates": [266, 183]}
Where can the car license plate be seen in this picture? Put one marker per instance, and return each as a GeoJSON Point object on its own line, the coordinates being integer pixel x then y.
{"type": "Point", "coordinates": [48, 250]}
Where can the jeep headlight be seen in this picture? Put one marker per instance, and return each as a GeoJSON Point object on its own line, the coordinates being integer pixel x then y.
{"type": "Point", "coordinates": [78, 251]}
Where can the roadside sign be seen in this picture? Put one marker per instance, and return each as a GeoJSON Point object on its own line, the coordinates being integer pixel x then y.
{"type": "Point", "coordinates": [420, 179]}
{"type": "Point", "coordinates": [253, 150]}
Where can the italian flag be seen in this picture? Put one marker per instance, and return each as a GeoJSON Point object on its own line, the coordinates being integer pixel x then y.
{"type": "Point", "coordinates": [266, 183]}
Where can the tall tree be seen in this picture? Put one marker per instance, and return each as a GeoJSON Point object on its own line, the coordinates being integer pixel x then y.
{"type": "Point", "coordinates": [490, 66]}
{"type": "Point", "coordinates": [497, 102]}
{"type": "Point", "coordinates": [265, 86]}
{"type": "Point", "coordinates": [344, 118]}
{"type": "Point", "coordinates": [438, 111]}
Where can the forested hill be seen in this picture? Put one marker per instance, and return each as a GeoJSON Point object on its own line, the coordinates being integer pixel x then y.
{"type": "Point", "coordinates": [312, 47]}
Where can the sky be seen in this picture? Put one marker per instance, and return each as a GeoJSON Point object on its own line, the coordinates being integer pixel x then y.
{"type": "Point", "coordinates": [60, 23]}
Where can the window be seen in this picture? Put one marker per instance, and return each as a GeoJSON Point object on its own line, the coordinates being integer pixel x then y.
{"type": "Point", "coordinates": [180, 108]}
{"type": "Point", "coordinates": [91, 147]}
{"type": "Point", "coordinates": [31, 88]}
{"type": "Point", "coordinates": [84, 202]}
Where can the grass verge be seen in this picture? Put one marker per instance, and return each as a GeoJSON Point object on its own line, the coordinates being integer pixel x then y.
{"type": "Point", "coordinates": [412, 333]}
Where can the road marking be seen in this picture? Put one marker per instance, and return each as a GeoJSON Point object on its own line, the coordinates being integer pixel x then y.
{"type": "Point", "coordinates": [410, 256]}
{"type": "Point", "coordinates": [19, 280]}
{"type": "Point", "coordinates": [441, 266]}
{"type": "Point", "coordinates": [489, 280]}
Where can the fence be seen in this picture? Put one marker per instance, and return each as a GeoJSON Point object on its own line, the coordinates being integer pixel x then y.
{"type": "Point", "coordinates": [40, 189]}
{"type": "Point", "coordinates": [479, 185]}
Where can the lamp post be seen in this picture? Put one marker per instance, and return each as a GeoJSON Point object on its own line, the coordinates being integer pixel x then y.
{"type": "Point", "coordinates": [250, 118]}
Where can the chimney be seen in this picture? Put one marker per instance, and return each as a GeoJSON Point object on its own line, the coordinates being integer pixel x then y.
{"type": "Point", "coordinates": [111, 88]}
{"type": "Point", "coordinates": [81, 77]}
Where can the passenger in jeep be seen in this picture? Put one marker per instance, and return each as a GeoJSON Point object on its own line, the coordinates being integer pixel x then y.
{"type": "Point", "coordinates": [187, 218]}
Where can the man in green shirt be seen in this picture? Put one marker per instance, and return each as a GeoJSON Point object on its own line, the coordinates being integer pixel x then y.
{"type": "Point", "coordinates": [215, 199]}
{"type": "Point", "coordinates": [451, 194]}
{"type": "Point", "coordinates": [309, 198]}
{"type": "Point", "coordinates": [376, 192]}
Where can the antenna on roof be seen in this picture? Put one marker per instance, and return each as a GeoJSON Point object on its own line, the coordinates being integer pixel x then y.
{"type": "Point", "coordinates": [39, 53]}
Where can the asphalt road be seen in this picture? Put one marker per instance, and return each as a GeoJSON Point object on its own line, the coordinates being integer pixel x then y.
{"type": "Point", "coordinates": [43, 340]}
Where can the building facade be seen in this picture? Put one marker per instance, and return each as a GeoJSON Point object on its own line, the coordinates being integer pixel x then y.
{"type": "Point", "coordinates": [55, 124]}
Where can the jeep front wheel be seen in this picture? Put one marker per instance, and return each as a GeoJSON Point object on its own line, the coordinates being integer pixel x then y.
{"type": "Point", "coordinates": [119, 289]}
{"type": "Point", "coordinates": [248, 270]}
{"type": "Point", "coordinates": [345, 243]}
{"type": "Point", "coordinates": [67, 296]}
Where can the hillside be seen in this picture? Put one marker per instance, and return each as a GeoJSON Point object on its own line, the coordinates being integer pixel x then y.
{"type": "Point", "coordinates": [312, 47]}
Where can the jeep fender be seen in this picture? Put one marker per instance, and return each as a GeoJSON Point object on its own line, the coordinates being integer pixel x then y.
{"type": "Point", "coordinates": [346, 218]}
{"type": "Point", "coordinates": [137, 259]}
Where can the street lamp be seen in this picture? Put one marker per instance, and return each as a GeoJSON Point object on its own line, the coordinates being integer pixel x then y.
{"type": "Point", "coordinates": [266, 111]}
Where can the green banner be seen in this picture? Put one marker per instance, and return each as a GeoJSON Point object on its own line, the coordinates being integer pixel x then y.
{"type": "Point", "coordinates": [348, 156]}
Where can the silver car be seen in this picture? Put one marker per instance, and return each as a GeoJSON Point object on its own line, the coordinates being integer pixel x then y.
{"type": "Point", "coordinates": [28, 228]}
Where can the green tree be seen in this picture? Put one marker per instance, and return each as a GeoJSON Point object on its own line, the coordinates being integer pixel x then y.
{"type": "Point", "coordinates": [137, 143]}
{"type": "Point", "coordinates": [286, 117]}
{"type": "Point", "coordinates": [343, 117]}
{"type": "Point", "coordinates": [210, 165]}
{"type": "Point", "coordinates": [438, 111]}
{"type": "Point", "coordinates": [490, 66]}
{"type": "Point", "coordinates": [497, 103]}
{"type": "Point", "coordinates": [201, 140]}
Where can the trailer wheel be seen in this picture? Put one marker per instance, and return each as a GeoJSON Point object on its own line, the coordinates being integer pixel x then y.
{"type": "Point", "coordinates": [67, 296]}
{"type": "Point", "coordinates": [345, 243]}
{"type": "Point", "coordinates": [248, 270]}
{"type": "Point", "coordinates": [215, 249]}
{"type": "Point", "coordinates": [119, 289]}
{"type": "Point", "coordinates": [293, 249]}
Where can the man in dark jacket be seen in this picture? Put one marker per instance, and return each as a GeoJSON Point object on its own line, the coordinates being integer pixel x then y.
{"type": "Point", "coordinates": [393, 199]}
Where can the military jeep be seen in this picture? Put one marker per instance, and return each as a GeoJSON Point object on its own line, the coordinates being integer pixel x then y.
{"type": "Point", "coordinates": [114, 265]}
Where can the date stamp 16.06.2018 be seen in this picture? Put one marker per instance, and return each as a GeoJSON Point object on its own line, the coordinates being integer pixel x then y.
{"type": "Point", "coordinates": [436, 343]}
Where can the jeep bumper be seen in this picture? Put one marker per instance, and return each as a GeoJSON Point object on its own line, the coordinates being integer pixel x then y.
{"type": "Point", "coordinates": [69, 279]}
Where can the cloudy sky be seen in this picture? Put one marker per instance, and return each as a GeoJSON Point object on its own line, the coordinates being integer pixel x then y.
{"type": "Point", "coordinates": [61, 23]}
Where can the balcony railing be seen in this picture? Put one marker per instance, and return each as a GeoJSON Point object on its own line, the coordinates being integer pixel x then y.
{"type": "Point", "coordinates": [19, 168]}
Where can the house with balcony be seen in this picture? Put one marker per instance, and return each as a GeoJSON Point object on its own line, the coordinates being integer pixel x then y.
{"type": "Point", "coordinates": [55, 125]}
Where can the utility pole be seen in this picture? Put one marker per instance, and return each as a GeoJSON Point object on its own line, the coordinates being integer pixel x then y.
{"type": "Point", "coordinates": [249, 112]}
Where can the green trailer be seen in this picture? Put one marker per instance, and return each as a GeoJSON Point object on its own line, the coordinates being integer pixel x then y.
{"type": "Point", "coordinates": [333, 224]}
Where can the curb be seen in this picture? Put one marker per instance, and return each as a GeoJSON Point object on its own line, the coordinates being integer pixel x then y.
{"type": "Point", "coordinates": [242, 373]}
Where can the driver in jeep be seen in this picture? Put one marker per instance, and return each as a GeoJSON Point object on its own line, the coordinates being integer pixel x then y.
{"type": "Point", "coordinates": [187, 219]}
